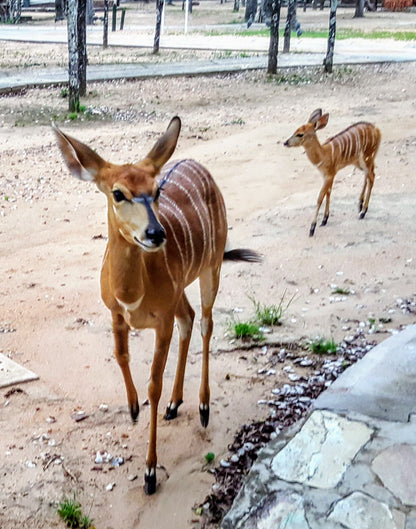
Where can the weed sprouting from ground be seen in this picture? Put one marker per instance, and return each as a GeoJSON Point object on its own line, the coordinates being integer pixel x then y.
{"type": "Point", "coordinates": [323, 346]}
{"type": "Point", "coordinates": [70, 512]}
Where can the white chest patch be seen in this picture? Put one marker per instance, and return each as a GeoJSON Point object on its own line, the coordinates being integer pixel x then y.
{"type": "Point", "coordinates": [130, 307]}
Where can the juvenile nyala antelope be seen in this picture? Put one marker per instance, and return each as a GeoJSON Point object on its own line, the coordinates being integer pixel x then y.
{"type": "Point", "coordinates": [357, 145]}
{"type": "Point", "coordinates": [163, 233]}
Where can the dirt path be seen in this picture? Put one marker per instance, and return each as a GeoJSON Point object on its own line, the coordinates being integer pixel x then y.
{"type": "Point", "coordinates": [52, 238]}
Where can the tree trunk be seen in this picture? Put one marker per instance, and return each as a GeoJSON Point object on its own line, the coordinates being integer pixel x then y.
{"type": "Point", "coordinates": [359, 9]}
{"type": "Point", "coordinates": [274, 37]}
{"type": "Point", "coordinates": [82, 46]}
{"type": "Point", "coordinates": [328, 61]}
{"type": "Point", "coordinates": [61, 9]}
{"type": "Point", "coordinates": [159, 11]}
{"type": "Point", "coordinates": [291, 12]}
{"type": "Point", "coordinates": [13, 11]}
{"type": "Point", "coordinates": [73, 84]}
{"type": "Point", "coordinates": [90, 12]}
{"type": "Point", "coordinates": [251, 10]}
{"type": "Point", "coordinates": [236, 8]}
{"type": "Point", "coordinates": [105, 25]}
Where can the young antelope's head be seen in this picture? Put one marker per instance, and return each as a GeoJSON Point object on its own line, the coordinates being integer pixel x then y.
{"type": "Point", "coordinates": [131, 189]}
{"type": "Point", "coordinates": [306, 132]}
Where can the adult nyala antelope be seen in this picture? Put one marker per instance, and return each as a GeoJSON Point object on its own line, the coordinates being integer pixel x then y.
{"type": "Point", "coordinates": [357, 145]}
{"type": "Point", "coordinates": [162, 235]}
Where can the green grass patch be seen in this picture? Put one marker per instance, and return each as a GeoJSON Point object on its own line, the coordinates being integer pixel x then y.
{"type": "Point", "coordinates": [341, 34]}
{"type": "Point", "coordinates": [341, 291]}
{"type": "Point", "coordinates": [70, 511]}
{"type": "Point", "coordinates": [270, 314]}
{"type": "Point", "coordinates": [247, 331]}
{"type": "Point", "coordinates": [322, 346]}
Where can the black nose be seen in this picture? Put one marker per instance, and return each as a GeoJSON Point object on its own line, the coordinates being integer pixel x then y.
{"type": "Point", "coordinates": [156, 235]}
{"type": "Point", "coordinates": [286, 143]}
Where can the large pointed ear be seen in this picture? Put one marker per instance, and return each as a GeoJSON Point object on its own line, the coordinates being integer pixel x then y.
{"type": "Point", "coordinates": [82, 161]}
{"type": "Point", "coordinates": [316, 114]}
{"type": "Point", "coordinates": [166, 145]}
{"type": "Point", "coordinates": [322, 122]}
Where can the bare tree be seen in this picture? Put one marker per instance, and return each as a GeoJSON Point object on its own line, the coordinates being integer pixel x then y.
{"type": "Point", "coordinates": [159, 11]}
{"type": "Point", "coordinates": [77, 51]}
{"type": "Point", "coordinates": [61, 9]}
{"type": "Point", "coordinates": [13, 11]}
{"type": "Point", "coordinates": [274, 35]}
{"type": "Point", "coordinates": [359, 9]}
{"type": "Point", "coordinates": [329, 59]}
{"type": "Point", "coordinates": [105, 25]}
{"type": "Point", "coordinates": [291, 14]}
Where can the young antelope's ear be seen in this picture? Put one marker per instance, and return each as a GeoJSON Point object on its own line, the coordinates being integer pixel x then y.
{"type": "Point", "coordinates": [166, 145]}
{"type": "Point", "coordinates": [82, 161]}
{"type": "Point", "coordinates": [322, 122]}
{"type": "Point", "coordinates": [316, 114]}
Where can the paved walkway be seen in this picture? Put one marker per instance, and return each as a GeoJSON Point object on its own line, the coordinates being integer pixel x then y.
{"type": "Point", "coordinates": [352, 463]}
{"type": "Point", "coordinates": [304, 52]}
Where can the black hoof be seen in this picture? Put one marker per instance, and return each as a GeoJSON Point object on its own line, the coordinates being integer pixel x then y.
{"type": "Point", "coordinates": [134, 412]}
{"type": "Point", "coordinates": [172, 411]}
{"type": "Point", "coordinates": [150, 482]}
{"type": "Point", "coordinates": [312, 230]}
{"type": "Point", "coordinates": [204, 414]}
{"type": "Point", "coordinates": [324, 221]}
{"type": "Point", "coordinates": [362, 214]}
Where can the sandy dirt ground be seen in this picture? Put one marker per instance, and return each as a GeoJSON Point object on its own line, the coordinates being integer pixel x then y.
{"type": "Point", "coordinates": [52, 239]}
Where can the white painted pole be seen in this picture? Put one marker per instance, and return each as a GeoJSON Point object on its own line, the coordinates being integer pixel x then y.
{"type": "Point", "coordinates": [186, 15]}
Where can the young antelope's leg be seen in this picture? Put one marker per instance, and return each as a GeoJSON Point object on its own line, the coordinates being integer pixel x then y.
{"type": "Point", "coordinates": [185, 318]}
{"type": "Point", "coordinates": [370, 182]}
{"type": "Point", "coordinates": [362, 194]}
{"type": "Point", "coordinates": [327, 200]}
{"type": "Point", "coordinates": [121, 351]}
{"type": "Point", "coordinates": [324, 190]}
{"type": "Point", "coordinates": [209, 282]}
{"type": "Point", "coordinates": [163, 337]}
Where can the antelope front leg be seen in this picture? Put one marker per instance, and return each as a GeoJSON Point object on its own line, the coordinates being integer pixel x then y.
{"type": "Point", "coordinates": [121, 351]}
{"type": "Point", "coordinates": [163, 337]}
{"type": "Point", "coordinates": [326, 188]}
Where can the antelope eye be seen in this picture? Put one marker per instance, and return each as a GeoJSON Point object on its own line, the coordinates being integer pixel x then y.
{"type": "Point", "coordinates": [299, 135]}
{"type": "Point", "coordinates": [118, 195]}
{"type": "Point", "coordinates": [157, 194]}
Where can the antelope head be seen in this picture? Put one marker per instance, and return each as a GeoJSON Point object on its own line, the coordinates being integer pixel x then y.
{"type": "Point", "coordinates": [307, 132]}
{"type": "Point", "coordinates": [131, 189]}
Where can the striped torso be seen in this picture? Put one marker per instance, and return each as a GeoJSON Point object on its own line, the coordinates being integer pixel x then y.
{"type": "Point", "coordinates": [354, 144]}
{"type": "Point", "coordinates": [192, 211]}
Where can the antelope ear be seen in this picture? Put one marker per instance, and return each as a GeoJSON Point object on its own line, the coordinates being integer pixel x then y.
{"type": "Point", "coordinates": [166, 145]}
{"type": "Point", "coordinates": [322, 122]}
{"type": "Point", "coordinates": [316, 114]}
{"type": "Point", "coordinates": [82, 161]}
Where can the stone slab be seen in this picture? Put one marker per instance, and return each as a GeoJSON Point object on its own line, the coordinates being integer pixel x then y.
{"type": "Point", "coordinates": [381, 385]}
{"type": "Point", "coordinates": [13, 373]}
{"type": "Point", "coordinates": [321, 452]}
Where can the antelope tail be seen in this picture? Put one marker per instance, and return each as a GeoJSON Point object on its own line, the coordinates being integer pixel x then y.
{"type": "Point", "coordinates": [242, 254]}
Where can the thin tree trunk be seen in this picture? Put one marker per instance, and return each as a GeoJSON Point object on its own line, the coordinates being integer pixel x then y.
{"type": "Point", "coordinates": [73, 65]}
{"type": "Point", "coordinates": [82, 46]}
{"type": "Point", "coordinates": [359, 9]}
{"type": "Point", "coordinates": [14, 9]}
{"type": "Point", "coordinates": [291, 10]}
{"type": "Point", "coordinates": [105, 25]}
{"type": "Point", "coordinates": [328, 61]}
{"type": "Point", "coordinates": [274, 37]}
{"type": "Point", "coordinates": [90, 12]}
{"type": "Point", "coordinates": [236, 8]}
{"type": "Point", "coordinates": [159, 11]}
